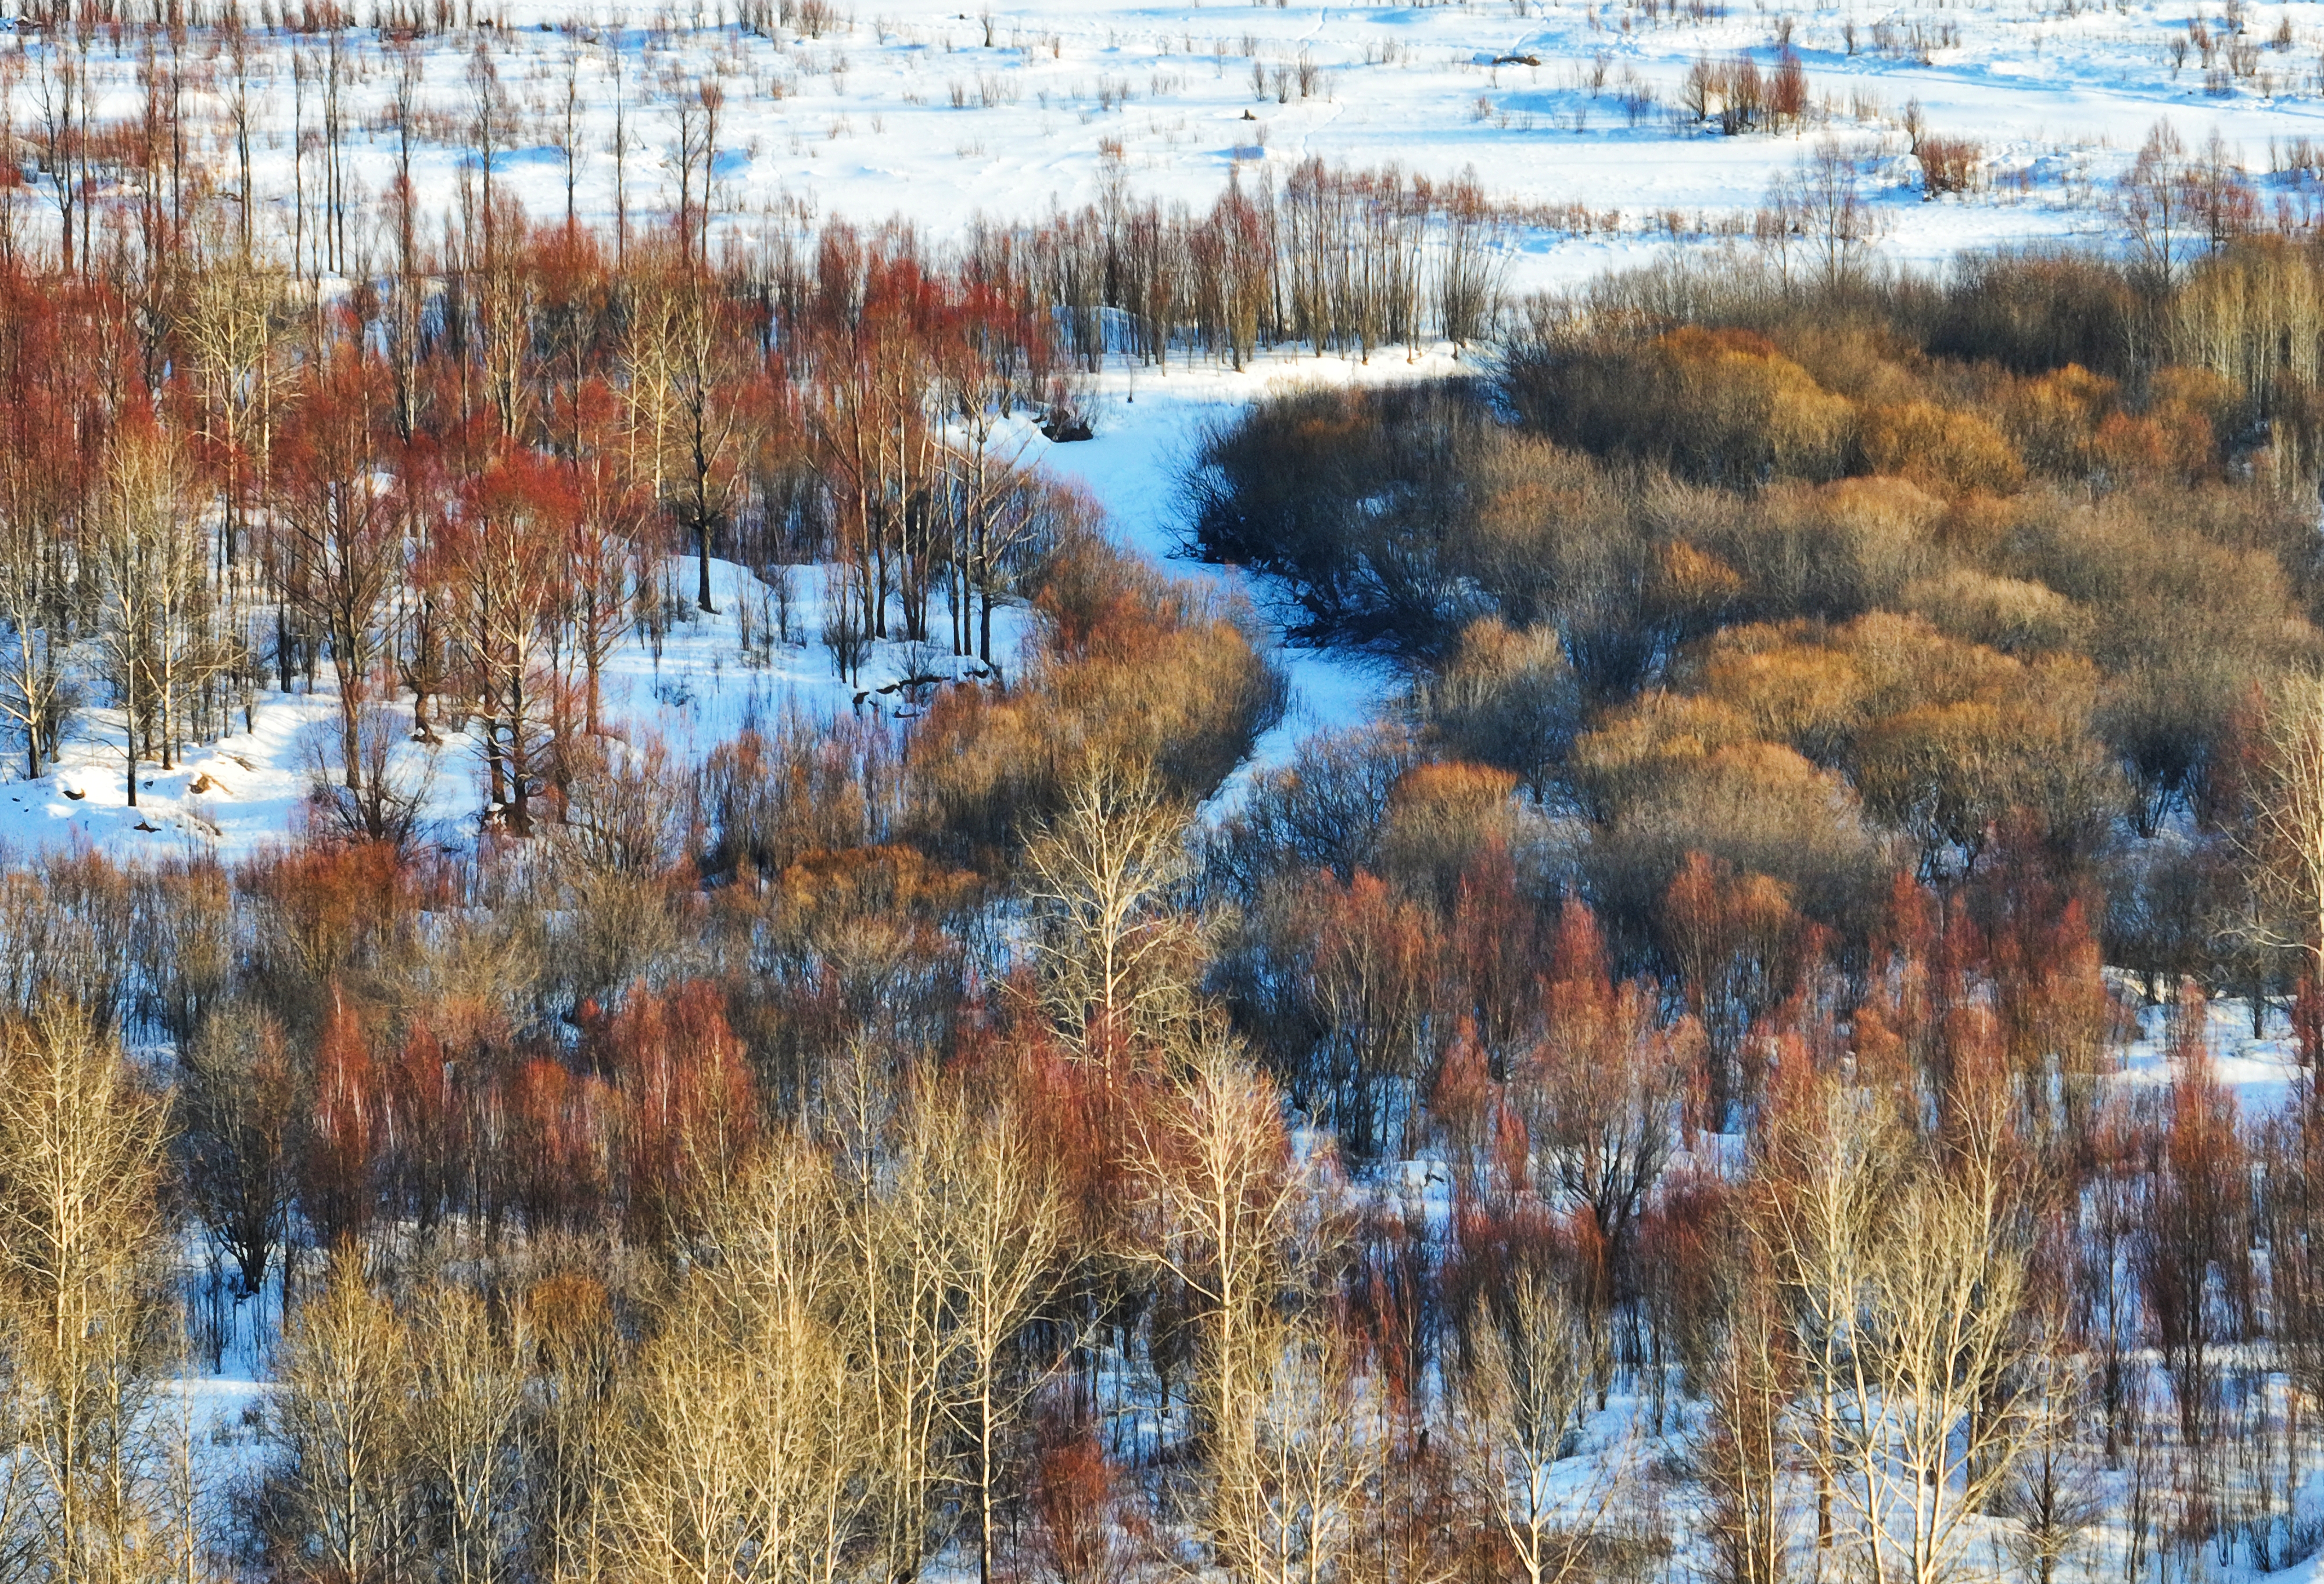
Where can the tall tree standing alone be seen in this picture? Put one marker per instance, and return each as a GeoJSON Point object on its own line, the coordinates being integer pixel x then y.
{"type": "Point", "coordinates": [2284, 845]}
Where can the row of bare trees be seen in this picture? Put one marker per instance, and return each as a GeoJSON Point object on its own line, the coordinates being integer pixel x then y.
{"type": "Point", "coordinates": [1332, 259]}
{"type": "Point", "coordinates": [1350, 260]}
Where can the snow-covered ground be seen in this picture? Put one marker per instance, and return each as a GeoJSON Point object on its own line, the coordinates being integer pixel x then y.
{"type": "Point", "coordinates": [2258, 1072]}
{"type": "Point", "coordinates": [940, 117]}
{"type": "Point", "coordinates": [250, 788]}
{"type": "Point", "coordinates": [1148, 423]}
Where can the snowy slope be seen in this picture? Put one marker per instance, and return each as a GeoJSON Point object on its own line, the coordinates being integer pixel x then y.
{"type": "Point", "coordinates": [906, 112]}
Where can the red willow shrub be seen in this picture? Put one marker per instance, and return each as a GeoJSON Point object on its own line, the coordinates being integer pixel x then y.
{"type": "Point", "coordinates": [688, 1118]}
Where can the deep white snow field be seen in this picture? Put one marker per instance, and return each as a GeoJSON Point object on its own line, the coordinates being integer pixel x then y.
{"type": "Point", "coordinates": [945, 114]}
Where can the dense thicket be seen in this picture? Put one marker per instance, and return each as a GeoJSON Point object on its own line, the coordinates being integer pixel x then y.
{"type": "Point", "coordinates": [1818, 581]}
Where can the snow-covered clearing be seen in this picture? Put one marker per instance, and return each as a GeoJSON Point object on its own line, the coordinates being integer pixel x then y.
{"type": "Point", "coordinates": [714, 674]}
{"type": "Point", "coordinates": [703, 687]}
{"type": "Point", "coordinates": [926, 113]}
{"type": "Point", "coordinates": [1552, 105]}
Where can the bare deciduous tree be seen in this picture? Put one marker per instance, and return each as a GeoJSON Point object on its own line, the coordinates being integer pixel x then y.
{"type": "Point", "coordinates": [2152, 199]}
{"type": "Point", "coordinates": [2284, 847]}
{"type": "Point", "coordinates": [34, 684]}
{"type": "Point", "coordinates": [341, 1416]}
{"type": "Point", "coordinates": [1906, 1277]}
{"type": "Point", "coordinates": [1229, 1205]}
{"type": "Point", "coordinates": [1009, 1233]}
{"type": "Point", "coordinates": [150, 561]}
{"type": "Point", "coordinates": [469, 1393]}
{"type": "Point", "coordinates": [1117, 960]}
{"type": "Point", "coordinates": [81, 1244]}
{"type": "Point", "coordinates": [238, 1092]}
{"type": "Point", "coordinates": [1537, 1358]}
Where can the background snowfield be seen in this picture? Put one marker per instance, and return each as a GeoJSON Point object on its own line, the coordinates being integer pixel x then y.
{"type": "Point", "coordinates": [903, 110]}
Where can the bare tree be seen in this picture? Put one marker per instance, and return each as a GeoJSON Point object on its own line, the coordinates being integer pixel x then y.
{"type": "Point", "coordinates": [1744, 1446]}
{"type": "Point", "coordinates": [618, 143]}
{"type": "Point", "coordinates": [82, 1239]}
{"type": "Point", "coordinates": [407, 291]}
{"type": "Point", "coordinates": [244, 72]}
{"type": "Point", "coordinates": [60, 115]}
{"type": "Point", "coordinates": [696, 108]}
{"type": "Point", "coordinates": [1294, 1513]}
{"type": "Point", "coordinates": [12, 75]}
{"type": "Point", "coordinates": [336, 72]}
{"type": "Point", "coordinates": [1537, 1358]}
{"type": "Point", "coordinates": [188, 648]}
{"type": "Point", "coordinates": [341, 1418]}
{"type": "Point", "coordinates": [1817, 1215]}
{"type": "Point", "coordinates": [469, 1393]}
{"type": "Point", "coordinates": [141, 544]}
{"type": "Point", "coordinates": [984, 478]}
{"type": "Point", "coordinates": [1229, 1205]}
{"type": "Point", "coordinates": [492, 128]}
{"type": "Point", "coordinates": [1937, 1420]}
{"type": "Point", "coordinates": [238, 1092]}
{"type": "Point", "coordinates": [574, 1439]}
{"type": "Point", "coordinates": [383, 793]}
{"type": "Point", "coordinates": [2284, 845]}
{"type": "Point", "coordinates": [2219, 202]}
{"type": "Point", "coordinates": [34, 684]}
{"type": "Point", "coordinates": [1830, 211]}
{"type": "Point", "coordinates": [750, 1443]}
{"type": "Point", "coordinates": [1907, 1278]}
{"type": "Point", "coordinates": [1117, 960]}
{"type": "Point", "coordinates": [2152, 200]}
{"type": "Point", "coordinates": [2052, 1492]}
{"type": "Point", "coordinates": [684, 353]}
{"type": "Point", "coordinates": [338, 552]}
{"type": "Point", "coordinates": [902, 1229]}
{"type": "Point", "coordinates": [1010, 1233]}
{"type": "Point", "coordinates": [572, 107]}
